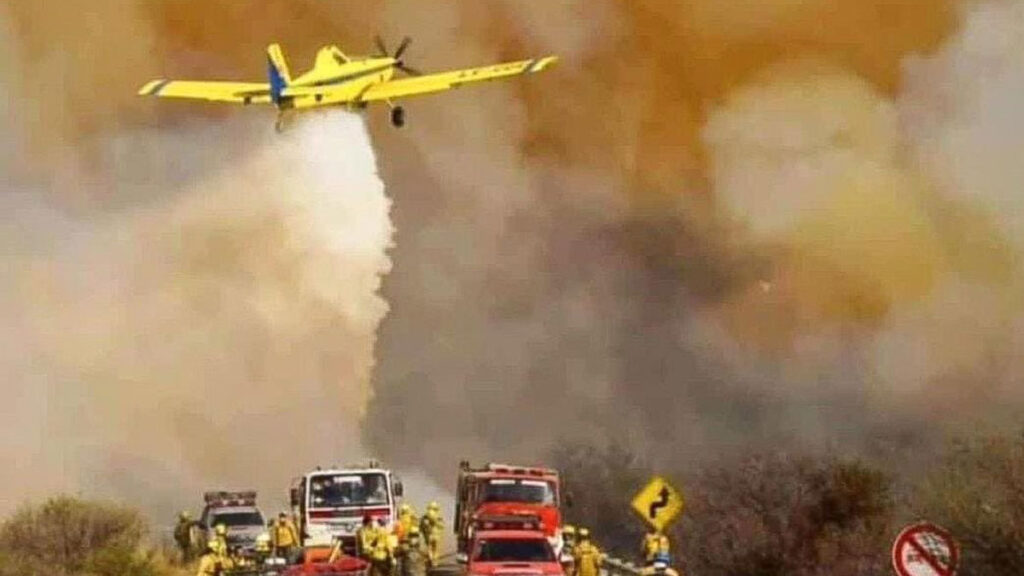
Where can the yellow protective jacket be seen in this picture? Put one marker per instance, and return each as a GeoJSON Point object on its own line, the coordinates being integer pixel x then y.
{"type": "Point", "coordinates": [654, 544]}
{"type": "Point", "coordinates": [366, 541]}
{"type": "Point", "coordinates": [284, 534]}
{"type": "Point", "coordinates": [404, 524]}
{"type": "Point", "coordinates": [209, 565]}
{"type": "Point", "coordinates": [588, 559]}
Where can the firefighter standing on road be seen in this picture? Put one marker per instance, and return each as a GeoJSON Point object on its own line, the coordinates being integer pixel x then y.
{"type": "Point", "coordinates": [431, 527]}
{"type": "Point", "coordinates": [366, 538]}
{"type": "Point", "coordinates": [284, 537]}
{"type": "Point", "coordinates": [413, 557]}
{"type": "Point", "coordinates": [406, 520]}
{"type": "Point", "coordinates": [183, 536]}
{"type": "Point", "coordinates": [382, 548]}
{"type": "Point", "coordinates": [569, 549]}
{"type": "Point", "coordinates": [220, 532]}
{"type": "Point", "coordinates": [655, 544]}
{"type": "Point", "coordinates": [588, 557]}
{"type": "Point", "coordinates": [210, 563]}
{"type": "Point", "coordinates": [569, 538]}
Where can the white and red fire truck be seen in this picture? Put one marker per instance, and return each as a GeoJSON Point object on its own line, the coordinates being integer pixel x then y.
{"type": "Point", "coordinates": [330, 503]}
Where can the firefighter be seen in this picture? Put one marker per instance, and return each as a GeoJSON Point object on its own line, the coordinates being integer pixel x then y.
{"type": "Point", "coordinates": [413, 557]}
{"type": "Point", "coordinates": [381, 551]}
{"type": "Point", "coordinates": [183, 536]}
{"type": "Point", "coordinates": [654, 544]}
{"type": "Point", "coordinates": [431, 528]}
{"type": "Point", "coordinates": [366, 538]}
{"type": "Point", "coordinates": [210, 563]}
{"type": "Point", "coordinates": [284, 537]}
{"type": "Point", "coordinates": [569, 549]}
{"type": "Point", "coordinates": [220, 532]}
{"type": "Point", "coordinates": [588, 557]}
{"type": "Point", "coordinates": [389, 542]}
{"type": "Point", "coordinates": [661, 566]}
{"type": "Point", "coordinates": [263, 548]}
{"type": "Point", "coordinates": [406, 520]}
{"type": "Point", "coordinates": [569, 539]}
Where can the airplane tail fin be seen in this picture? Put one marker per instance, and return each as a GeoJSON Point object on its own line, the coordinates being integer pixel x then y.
{"type": "Point", "coordinates": [277, 72]}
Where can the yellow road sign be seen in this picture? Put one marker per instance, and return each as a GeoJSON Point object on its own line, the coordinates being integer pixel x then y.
{"type": "Point", "coordinates": [659, 503]}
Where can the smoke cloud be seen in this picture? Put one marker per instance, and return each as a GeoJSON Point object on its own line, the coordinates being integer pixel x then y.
{"type": "Point", "coordinates": [190, 304]}
{"type": "Point", "coordinates": [714, 226]}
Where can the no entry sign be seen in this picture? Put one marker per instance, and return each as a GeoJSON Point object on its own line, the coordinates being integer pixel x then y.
{"type": "Point", "coordinates": [924, 549]}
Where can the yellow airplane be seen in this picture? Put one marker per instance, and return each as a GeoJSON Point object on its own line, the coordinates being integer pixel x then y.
{"type": "Point", "coordinates": [339, 80]}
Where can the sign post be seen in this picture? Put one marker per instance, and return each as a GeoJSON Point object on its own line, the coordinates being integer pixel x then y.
{"type": "Point", "coordinates": [925, 549]}
{"type": "Point", "coordinates": [659, 503]}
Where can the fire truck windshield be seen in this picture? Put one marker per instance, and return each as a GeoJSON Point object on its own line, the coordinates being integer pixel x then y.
{"type": "Point", "coordinates": [341, 490]}
{"type": "Point", "coordinates": [525, 491]}
{"type": "Point", "coordinates": [236, 519]}
{"type": "Point", "coordinates": [514, 550]}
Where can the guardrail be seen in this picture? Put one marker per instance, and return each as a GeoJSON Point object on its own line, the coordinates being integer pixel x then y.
{"type": "Point", "coordinates": [619, 567]}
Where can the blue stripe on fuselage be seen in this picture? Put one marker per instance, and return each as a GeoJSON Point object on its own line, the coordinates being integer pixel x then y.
{"type": "Point", "coordinates": [277, 83]}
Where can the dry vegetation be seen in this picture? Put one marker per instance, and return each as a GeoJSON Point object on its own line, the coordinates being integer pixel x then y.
{"type": "Point", "coordinates": [779, 515]}
{"type": "Point", "coordinates": [67, 536]}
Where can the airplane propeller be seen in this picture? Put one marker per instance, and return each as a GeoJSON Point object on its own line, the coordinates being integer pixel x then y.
{"type": "Point", "coordinates": [383, 52]}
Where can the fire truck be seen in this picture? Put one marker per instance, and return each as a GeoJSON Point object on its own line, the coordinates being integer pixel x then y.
{"type": "Point", "coordinates": [330, 504]}
{"type": "Point", "coordinates": [510, 544]}
{"type": "Point", "coordinates": [502, 490]}
{"type": "Point", "coordinates": [238, 513]}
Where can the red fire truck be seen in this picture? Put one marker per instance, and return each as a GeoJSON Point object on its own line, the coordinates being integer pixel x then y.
{"type": "Point", "coordinates": [506, 490]}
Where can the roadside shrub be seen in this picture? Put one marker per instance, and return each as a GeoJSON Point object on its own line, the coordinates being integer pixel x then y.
{"type": "Point", "coordinates": [66, 536]}
{"type": "Point", "coordinates": [775, 515]}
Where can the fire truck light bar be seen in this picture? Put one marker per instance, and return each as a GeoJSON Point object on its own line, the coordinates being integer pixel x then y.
{"type": "Point", "coordinates": [225, 498]}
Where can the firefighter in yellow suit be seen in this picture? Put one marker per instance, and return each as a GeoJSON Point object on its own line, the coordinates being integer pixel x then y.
{"type": "Point", "coordinates": [655, 544]}
{"type": "Point", "coordinates": [366, 538]}
{"type": "Point", "coordinates": [210, 563]}
{"type": "Point", "coordinates": [588, 558]}
{"type": "Point", "coordinates": [431, 527]}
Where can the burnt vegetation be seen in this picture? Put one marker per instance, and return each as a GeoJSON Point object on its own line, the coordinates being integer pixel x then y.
{"type": "Point", "coordinates": [775, 514]}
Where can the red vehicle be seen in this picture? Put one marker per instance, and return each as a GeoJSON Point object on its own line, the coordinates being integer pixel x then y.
{"type": "Point", "coordinates": [315, 564]}
{"type": "Point", "coordinates": [502, 490]}
{"type": "Point", "coordinates": [498, 548]}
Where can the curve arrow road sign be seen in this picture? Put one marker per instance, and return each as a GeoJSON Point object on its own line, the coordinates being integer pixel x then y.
{"type": "Point", "coordinates": [658, 503]}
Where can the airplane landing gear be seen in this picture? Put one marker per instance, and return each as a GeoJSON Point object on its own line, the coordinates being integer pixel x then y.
{"type": "Point", "coordinates": [398, 116]}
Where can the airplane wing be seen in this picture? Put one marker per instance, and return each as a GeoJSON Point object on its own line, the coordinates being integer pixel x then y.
{"type": "Point", "coordinates": [440, 82]}
{"type": "Point", "coordinates": [418, 85]}
{"type": "Point", "coordinates": [236, 92]}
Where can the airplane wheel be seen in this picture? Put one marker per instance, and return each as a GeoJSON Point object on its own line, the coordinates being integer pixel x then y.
{"type": "Point", "coordinates": [398, 116]}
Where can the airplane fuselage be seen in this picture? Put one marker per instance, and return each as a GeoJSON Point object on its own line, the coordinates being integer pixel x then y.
{"type": "Point", "coordinates": [349, 79]}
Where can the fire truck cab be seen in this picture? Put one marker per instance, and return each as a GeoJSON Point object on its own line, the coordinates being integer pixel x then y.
{"type": "Point", "coordinates": [502, 490]}
{"type": "Point", "coordinates": [330, 503]}
{"type": "Point", "coordinates": [503, 545]}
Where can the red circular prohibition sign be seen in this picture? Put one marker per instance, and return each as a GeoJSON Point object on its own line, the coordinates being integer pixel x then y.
{"type": "Point", "coordinates": [925, 549]}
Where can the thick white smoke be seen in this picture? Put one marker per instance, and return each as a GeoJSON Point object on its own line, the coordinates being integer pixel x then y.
{"type": "Point", "coordinates": [217, 329]}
